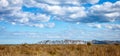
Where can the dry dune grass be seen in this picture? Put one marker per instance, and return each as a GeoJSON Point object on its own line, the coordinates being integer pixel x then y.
{"type": "Point", "coordinates": [59, 50]}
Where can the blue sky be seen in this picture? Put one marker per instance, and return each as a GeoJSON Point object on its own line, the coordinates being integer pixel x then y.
{"type": "Point", "coordinates": [30, 21]}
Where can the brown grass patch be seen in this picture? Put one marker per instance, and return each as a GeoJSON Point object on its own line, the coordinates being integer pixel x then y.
{"type": "Point", "coordinates": [59, 50]}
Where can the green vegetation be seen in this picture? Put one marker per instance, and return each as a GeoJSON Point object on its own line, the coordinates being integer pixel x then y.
{"type": "Point", "coordinates": [59, 50]}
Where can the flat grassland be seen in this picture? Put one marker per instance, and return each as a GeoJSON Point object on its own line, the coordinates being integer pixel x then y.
{"type": "Point", "coordinates": [59, 50]}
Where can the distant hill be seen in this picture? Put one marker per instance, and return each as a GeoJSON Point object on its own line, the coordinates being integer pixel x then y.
{"type": "Point", "coordinates": [78, 42]}
{"type": "Point", "coordinates": [105, 42]}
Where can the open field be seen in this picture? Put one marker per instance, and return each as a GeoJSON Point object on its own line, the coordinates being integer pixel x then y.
{"type": "Point", "coordinates": [59, 50]}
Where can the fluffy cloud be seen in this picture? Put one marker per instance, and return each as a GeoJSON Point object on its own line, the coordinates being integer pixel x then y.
{"type": "Point", "coordinates": [105, 26]}
{"type": "Point", "coordinates": [25, 17]}
{"type": "Point", "coordinates": [11, 11]}
{"type": "Point", "coordinates": [7, 6]}
{"type": "Point", "coordinates": [62, 9]}
{"type": "Point", "coordinates": [65, 2]}
{"type": "Point", "coordinates": [65, 10]}
{"type": "Point", "coordinates": [107, 12]}
{"type": "Point", "coordinates": [4, 3]}
{"type": "Point", "coordinates": [67, 13]}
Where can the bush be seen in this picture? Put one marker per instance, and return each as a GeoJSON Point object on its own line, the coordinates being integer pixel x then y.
{"type": "Point", "coordinates": [116, 44]}
{"type": "Point", "coordinates": [88, 43]}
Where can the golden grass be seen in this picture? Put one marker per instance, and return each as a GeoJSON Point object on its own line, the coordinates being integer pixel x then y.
{"type": "Point", "coordinates": [59, 50]}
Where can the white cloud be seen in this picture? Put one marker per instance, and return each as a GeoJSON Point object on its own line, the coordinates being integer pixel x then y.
{"type": "Point", "coordinates": [74, 2]}
{"type": "Point", "coordinates": [107, 11]}
{"type": "Point", "coordinates": [39, 25]}
{"type": "Point", "coordinates": [94, 25]}
{"type": "Point", "coordinates": [40, 17]}
{"type": "Point", "coordinates": [79, 14]}
{"type": "Point", "coordinates": [13, 23]}
{"type": "Point", "coordinates": [78, 23]}
{"type": "Point", "coordinates": [105, 25]}
{"type": "Point", "coordinates": [56, 10]}
{"type": "Point", "coordinates": [59, 8]}
{"type": "Point", "coordinates": [93, 1]}
{"type": "Point", "coordinates": [10, 4]}
{"type": "Point", "coordinates": [112, 26]}
{"type": "Point", "coordinates": [51, 1]}
{"type": "Point", "coordinates": [11, 11]}
{"type": "Point", "coordinates": [66, 34]}
{"type": "Point", "coordinates": [111, 15]}
{"type": "Point", "coordinates": [4, 3]}
{"type": "Point", "coordinates": [50, 25]}
{"type": "Point", "coordinates": [66, 10]}
{"type": "Point", "coordinates": [64, 2]}
{"type": "Point", "coordinates": [15, 2]}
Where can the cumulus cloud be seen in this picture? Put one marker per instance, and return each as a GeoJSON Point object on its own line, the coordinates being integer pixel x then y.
{"type": "Point", "coordinates": [4, 3]}
{"type": "Point", "coordinates": [106, 12]}
{"type": "Point", "coordinates": [67, 13]}
{"type": "Point", "coordinates": [109, 13]}
{"type": "Point", "coordinates": [64, 2]}
{"type": "Point", "coordinates": [7, 6]}
{"type": "Point", "coordinates": [65, 10]}
{"type": "Point", "coordinates": [26, 17]}
{"type": "Point", "coordinates": [11, 11]}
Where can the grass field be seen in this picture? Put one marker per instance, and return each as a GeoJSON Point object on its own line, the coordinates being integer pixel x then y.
{"type": "Point", "coordinates": [59, 50]}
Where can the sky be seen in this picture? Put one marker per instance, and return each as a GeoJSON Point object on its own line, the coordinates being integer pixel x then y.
{"type": "Point", "coordinates": [30, 21]}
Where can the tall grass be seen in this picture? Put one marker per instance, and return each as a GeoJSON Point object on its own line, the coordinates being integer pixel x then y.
{"type": "Point", "coordinates": [59, 50]}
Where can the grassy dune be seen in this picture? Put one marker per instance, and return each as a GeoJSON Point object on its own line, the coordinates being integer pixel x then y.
{"type": "Point", "coordinates": [59, 50]}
